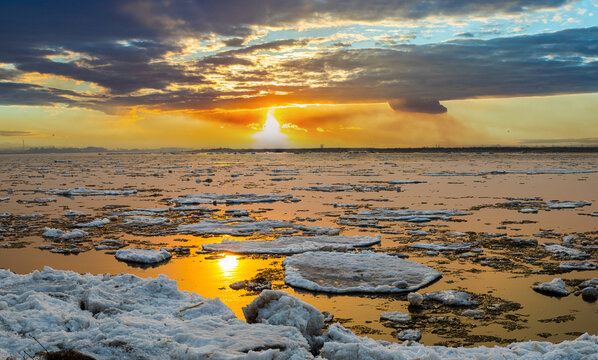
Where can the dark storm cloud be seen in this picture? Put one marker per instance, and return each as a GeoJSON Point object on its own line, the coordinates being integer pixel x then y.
{"type": "Point", "coordinates": [26, 94]}
{"type": "Point", "coordinates": [428, 106]}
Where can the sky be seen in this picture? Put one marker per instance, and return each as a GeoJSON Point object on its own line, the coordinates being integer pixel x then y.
{"type": "Point", "coordinates": [297, 73]}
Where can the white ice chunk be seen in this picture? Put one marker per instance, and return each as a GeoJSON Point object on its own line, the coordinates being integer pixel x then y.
{"type": "Point", "coordinates": [578, 265]}
{"type": "Point", "coordinates": [395, 316]}
{"type": "Point", "coordinates": [528, 211]}
{"type": "Point", "coordinates": [279, 308]}
{"type": "Point", "coordinates": [555, 287]}
{"type": "Point", "coordinates": [52, 233]}
{"type": "Point", "coordinates": [451, 298]}
{"type": "Point", "coordinates": [293, 244]}
{"type": "Point", "coordinates": [409, 334]}
{"type": "Point", "coordinates": [94, 223]}
{"type": "Point", "coordinates": [356, 272]}
{"type": "Point", "coordinates": [88, 192]}
{"type": "Point", "coordinates": [401, 182]}
{"type": "Point", "coordinates": [145, 221]}
{"type": "Point", "coordinates": [444, 247]}
{"type": "Point", "coordinates": [405, 215]}
{"type": "Point", "coordinates": [74, 213]}
{"type": "Point", "coordinates": [342, 344]}
{"type": "Point", "coordinates": [235, 228]}
{"type": "Point", "coordinates": [565, 252]}
{"type": "Point", "coordinates": [142, 256]}
{"type": "Point", "coordinates": [568, 204]}
{"type": "Point", "coordinates": [208, 198]}
{"type": "Point", "coordinates": [127, 317]}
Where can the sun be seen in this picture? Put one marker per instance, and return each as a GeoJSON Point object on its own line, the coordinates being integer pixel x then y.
{"type": "Point", "coordinates": [271, 136]}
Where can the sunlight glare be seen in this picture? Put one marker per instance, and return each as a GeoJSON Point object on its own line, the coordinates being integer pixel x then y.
{"type": "Point", "coordinates": [271, 136]}
{"type": "Point", "coordinates": [228, 264]}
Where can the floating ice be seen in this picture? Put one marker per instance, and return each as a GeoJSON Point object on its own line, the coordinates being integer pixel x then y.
{"type": "Point", "coordinates": [236, 212]}
{"type": "Point", "coordinates": [401, 182]}
{"type": "Point", "coordinates": [94, 223]}
{"type": "Point", "coordinates": [568, 204]}
{"type": "Point", "coordinates": [236, 228]}
{"type": "Point", "coordinates": [63, 235]}
{"type": "Point", "coordinates": [4, 198]}
{"type": "Point", "coordinates": [528, 211]}
{"type": "Point", "coordinates": [208, 198]}
{"type": "Point", "coordinates": [555, 287]}
{"type": "Point", "coordinates": [523, 171]}
{"type": "Point", "coordinates": [145, 221]}
{"type": "Point", "coordinates": [565, 252]}
{"type": "Point", "coordinates": [473, 313]}
{"type": "Point", "coordinates": [578, 265]}
{"type": "Point", "coordinates": [405, 215]}
{"type": "Point", "coordinates": [293, 244]}
{"type": "Point", "coordinates": [451, 298]}
{"type": "Point", "coordinates": [142, 256]}
{"type": "Point", "coordinates": [81, 191]}
{"type": "Point", "coordinates": [356, 272]}
{"type": "Point", "coordinates": [342, 344]}
{"type": "Point", "coordinates": [279, 308]}
{"type": "Point", "coordinates": [444, 247]}
{"type": "Point", "coordinates": [592, 282]}
{"type": "Point", "coordinates": [350, 187]}
{"type": "Point", "coordinates": [395, 316]}
{"type": "Point", "coordinates": [409, 334]}
{"type": "Point", "coordinates": [74, 213]}
{"type": "Point", "coordinates": [126, 317]}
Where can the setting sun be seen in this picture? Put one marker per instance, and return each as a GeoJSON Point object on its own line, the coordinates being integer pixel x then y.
{"type": "Point", "coordinates": [271, 136]}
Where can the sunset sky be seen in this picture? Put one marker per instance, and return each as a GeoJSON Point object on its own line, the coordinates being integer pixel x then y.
{"type": "Point", "coordinates": [278, 73]}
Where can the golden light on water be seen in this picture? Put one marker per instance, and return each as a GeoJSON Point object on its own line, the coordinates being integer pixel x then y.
{"type": "Point", "coordinates": [228, 264]}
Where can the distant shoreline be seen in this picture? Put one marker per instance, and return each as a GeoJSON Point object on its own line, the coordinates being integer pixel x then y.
{"type": "Point", "coordinates": [473, 149]}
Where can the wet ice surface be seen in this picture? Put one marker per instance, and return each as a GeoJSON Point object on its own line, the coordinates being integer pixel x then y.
{"type": "Point", "coordinates": [522, 220]}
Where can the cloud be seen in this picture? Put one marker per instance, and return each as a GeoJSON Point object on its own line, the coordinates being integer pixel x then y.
{"type": "Point", "coordinates": [420, 105]}
{"type": "Point", "coordinates": [464, 35]}
{"type": "Point", "coordinates": [16, 133]}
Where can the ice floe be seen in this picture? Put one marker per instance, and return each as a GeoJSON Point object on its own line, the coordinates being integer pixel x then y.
{"type": "Point", "coordinates": [74, 213]}
{"type": "Point", "coordinates": [523, 172]}
{"type": "Point", "coordinates": [554, 287]}
{"type": "Point", "coordinates": [64, 235]}
{"type": "Point", "coordinates": [209, 198]}
{"type": "Point", "coordinates": [565, 252]}
{"type": "Point", "coordinates": [341, 343]}
{"type": "Point", "coordinates": [81, 191]}
{"type": "Point", "coordinates": [145, 221]}
{"type": "Point", "coordinates": [568, 204]}
{"type": "Point", "coordinates": [578, 265]}
{"type": "Point", "coordinates": [395, 316]}
{"type": "Point", "coordinates": [124, 317]}
{"type": "Point", "coordinates": [94, 223]}
{"type": "Point", "coordinates": [142, 256]}
{"type": "Point", "coordinates": [293, 244]}
{"type": "Point", "coordinates": [451, 298]}
{"type": "Point", "coordinates": [405, 215]}
{"type": "Point", "coordinates": [444, 247]}
{"type": "Point", "coordinates": [356, 272]}
{"type": "Point", "coordinates": [409, 334]}
{"type": "Point", "coordinates": [237, 227]}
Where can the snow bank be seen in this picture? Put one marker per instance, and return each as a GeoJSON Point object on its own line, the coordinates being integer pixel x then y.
{"type": "Point", "coordinates": [208, 198]}
{"type": "Point", "coordinates": [126, 317]}
{"type": "Point", "coordinates": [142, 256]}
{"type": "Point", "coordinates": [356, 272]}
{"type": "Point", "coordinates": [279, 308]}
{"type": "Point", "coordinates": [293, 244]}
{"type": "Point", "coordinates": [341, 343]}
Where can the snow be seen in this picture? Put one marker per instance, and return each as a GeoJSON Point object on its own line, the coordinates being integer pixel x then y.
{"type": "Point", "coordinates": [142, 256]}
{"type": "Point", "coordinates": [568, 204]}
{"type": "Point", "coordinates": [125, 317]}
{"type": "Point", "coordinates": [356, 272]}
{"type": "Point", "coordinates": [145, 221]}
{"type": "Point", "coordinates": [279, 308]}
{"type": "Point", "coordinates": [209, 198]}
{"type": "Point", "coordinates": [578, 265]}
{"type": "Point", "coordinates": [341, 343]}
{"type": "Point", "coordinates": [395, 316]}
{"type": "Point", "coordinates": [248, 226]}
{"type": "Point", "coordinates": [565, 252]}
{"type": "Point", "coordinates": [451, 298]}
{"type": "Point", "coordinates": [94, 223]}
{"type": "Point", "coordinates": [555, 287]}
{"type": "Point", "coordinates": [293, 244]}
{"type": "Point", "coordinates": [444, 247]}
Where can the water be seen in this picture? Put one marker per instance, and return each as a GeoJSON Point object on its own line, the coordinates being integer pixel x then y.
{"type": "Point", "coordinates": [507, 280]}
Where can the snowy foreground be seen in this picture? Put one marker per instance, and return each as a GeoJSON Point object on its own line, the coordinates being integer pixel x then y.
{"type": "Point", "coordinates": [124, 316]}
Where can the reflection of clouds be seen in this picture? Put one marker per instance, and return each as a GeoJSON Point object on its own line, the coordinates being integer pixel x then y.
{"type": "Point", "coordinates": [228, 264]}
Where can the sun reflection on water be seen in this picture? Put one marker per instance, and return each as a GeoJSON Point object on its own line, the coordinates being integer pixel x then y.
{"type": "Point", "coordinates": [228, 264]}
